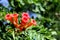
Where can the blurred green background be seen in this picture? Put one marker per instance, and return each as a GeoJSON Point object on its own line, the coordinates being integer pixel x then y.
{"type": "Point", "coordinates": [45, 12]}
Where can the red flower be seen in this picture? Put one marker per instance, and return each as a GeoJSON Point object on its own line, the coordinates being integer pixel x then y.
{"type": "Point", "coordinates": [24, 20]}
{"type": "Point", "coordinates": [25, 14]}
{"type": "Point", "coordinates": [15, 17]}
{"type": "Point", "coordinates": [8, 17]}
{"type": "Point", "coordinates": [33, 22]}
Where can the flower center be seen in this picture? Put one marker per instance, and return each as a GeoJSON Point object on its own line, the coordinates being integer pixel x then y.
{"type": "Point", "coordinates": [8, 15]}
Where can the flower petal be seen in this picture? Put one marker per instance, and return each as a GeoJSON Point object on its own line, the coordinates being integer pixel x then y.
{"type": "Point", "coordinates": [25, 14]}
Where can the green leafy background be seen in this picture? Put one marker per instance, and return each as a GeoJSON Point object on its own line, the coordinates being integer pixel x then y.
{"type": "Point", "coordinates": [48, 20]}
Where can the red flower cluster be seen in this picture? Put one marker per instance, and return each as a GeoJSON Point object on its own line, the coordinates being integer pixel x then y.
{"type": "Point", "coordinates": [26, 21]}
{"type": "Point", "coordinates": [25, 18]}
{"type": "Point", "coordinates": [13, 18]}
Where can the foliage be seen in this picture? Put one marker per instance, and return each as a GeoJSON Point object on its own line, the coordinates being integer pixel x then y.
{"type": "Point", "coordinates": [47, 28]}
